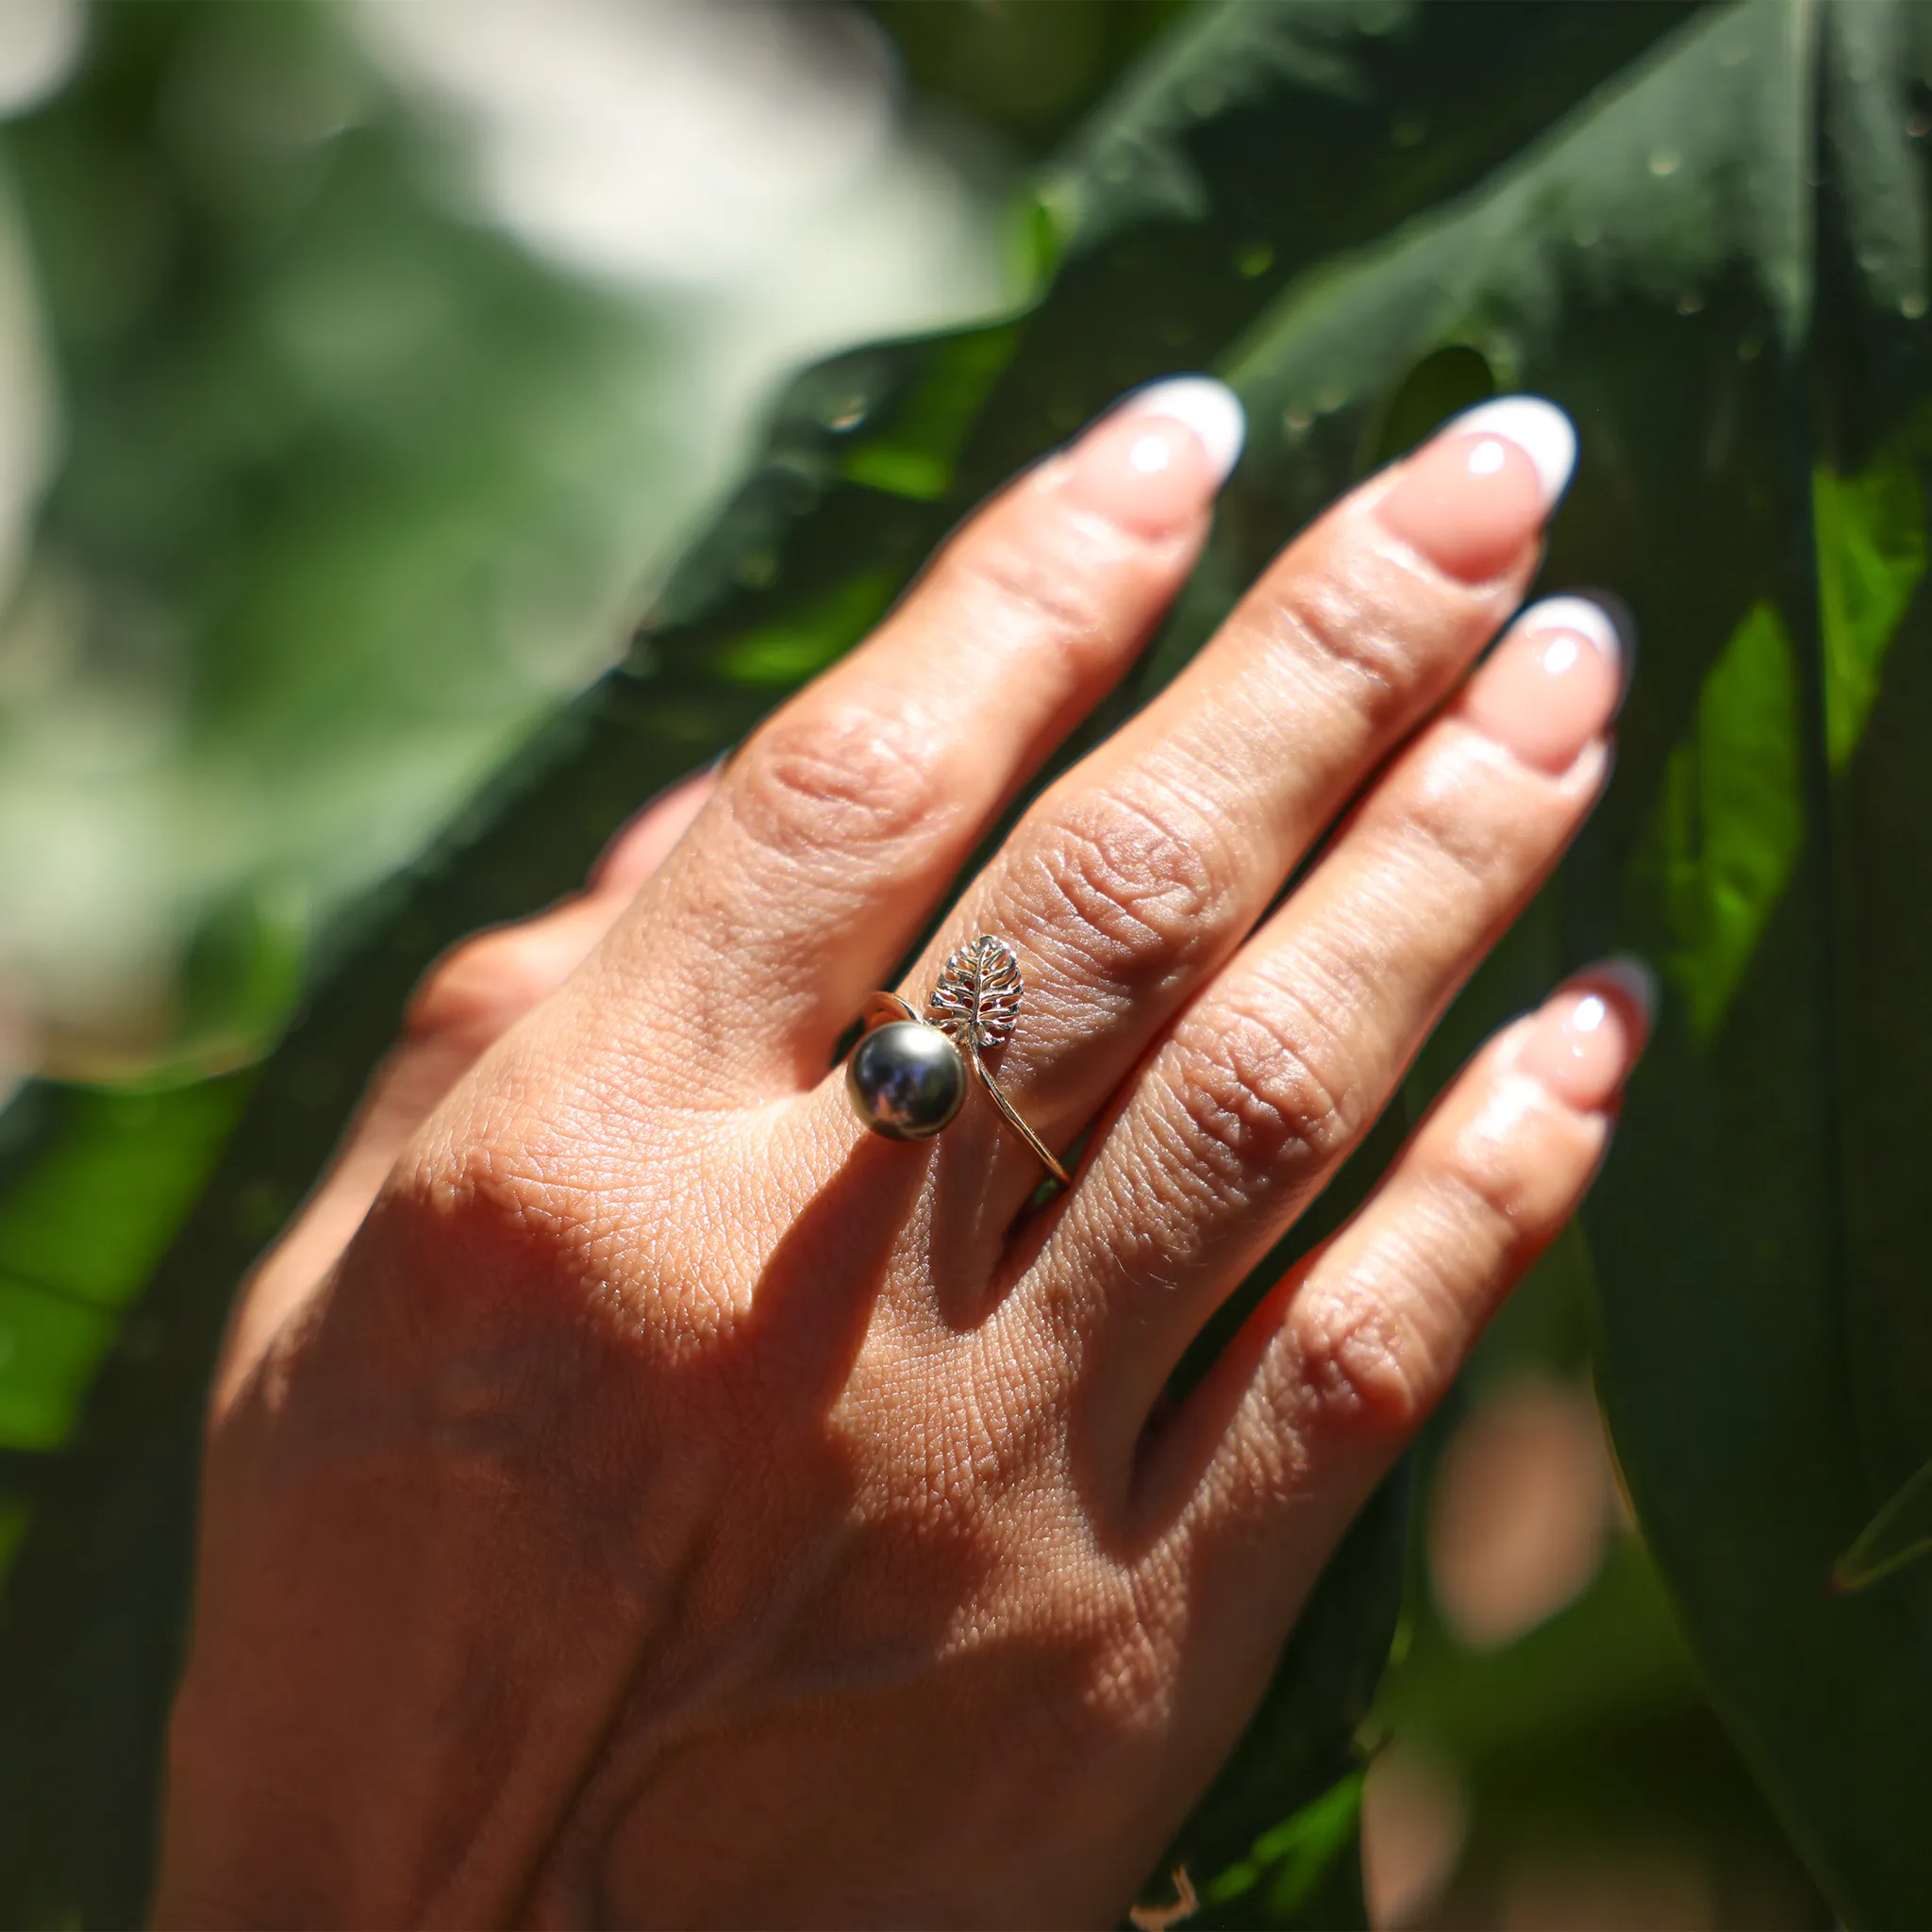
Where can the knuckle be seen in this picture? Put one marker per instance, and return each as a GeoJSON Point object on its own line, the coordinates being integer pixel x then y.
{"type": "Point", "coordinates": [1360, 1368]}
{"type": "Point", "coordinates": [514, 1258]}
{"type": "Point", "coordinates": [476, 1215]}
{"type": "Point", "coordinates": [1493, 1194]}
{"type": "Point", "coordinates": [1136, 893]}
{"type": "Point", "coordinates": [1262, 1099]}
{"type": "Point", "coordinates": [1353, 609]}
{"type": "Point", "coordinates": [1514, 1169]}
{"type": "Point", "coordinates": [472, 1298]}
{"type": "Point", "coordinates": [837, 781]}
{"type": "Point", "coordinates": [482, 1296]}
{"type": "Point", "coordinates": [958, 1467]}
{"type": "Point", "coordinates": [1457, 813]}
{"type": "Point", "coordinates": [1026, 577]}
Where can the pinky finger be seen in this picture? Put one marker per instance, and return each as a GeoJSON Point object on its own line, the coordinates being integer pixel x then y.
{"type": "Point", "coordinates": [1344, 1359]}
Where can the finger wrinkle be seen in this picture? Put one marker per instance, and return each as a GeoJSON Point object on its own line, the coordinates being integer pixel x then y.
{"type": "Point", "coordinates": [1024, 587]}
{"type": "Point", "coordinates": [1262, 1100]}
{"type": "Point", "coordinates": [1524, 1155]}
{"type": "Point", "coordinates": [832, 790]}
{"type": "Point", "coordinates": [1361, 606]}
{"type": "Point", "coordinates": [1476, 812]}
{"type": "Point", "coordinates": [1132, 889]}
{"type": "Point", "coordinates": [1363, 1364]}
{"type": "Point", "coordinates": [1337, 970]}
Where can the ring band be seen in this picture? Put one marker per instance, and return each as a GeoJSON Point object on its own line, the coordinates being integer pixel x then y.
{"type": "Point", "coordinates": [905, 1085]}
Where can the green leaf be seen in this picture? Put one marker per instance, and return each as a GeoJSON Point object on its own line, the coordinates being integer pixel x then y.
{"type": "Point", "coordinates": [840, 514]}
{"type": "Point", "coordinates": [1871, 533]}
{"type": "Point", "coordinates": [1729, 819]}
{"type": "Point", "coordinates": [85, 1219]}
{"type": "Point", "coordinates": [784, 654]}
{"type": "Point", "coordinates": [49, 1350]}
{"type": "Point", "coordinates": [1898, 1534]}
{"type": "Point", "coordinates": [1291, 1859]}
{"type": "Point", "coordinates": [932, 418]}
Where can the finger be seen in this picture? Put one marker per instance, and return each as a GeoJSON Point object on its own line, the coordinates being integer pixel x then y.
{"type": "Point", "coordinates": [1264, 1085]}
{"type": "Point", "coordinates": [1334, 1373]}
{"type": "Point", "coordinates": [1133, 879]}
{"type": "Point", "coordinates": [479, 988]}
{"type": "Point", "coordinates": [644, 841]}
{"type": "Point", "coordinates": [470, 997]}
{"type": "Point", "coordinates": [842, 821]}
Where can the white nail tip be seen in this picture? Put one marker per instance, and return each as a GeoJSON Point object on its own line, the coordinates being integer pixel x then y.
{"type": "Point", "coordinates": [1632, 977]}
{"type": "Point", "coordinates": [1578, 614]}
{"type": "Point", "coordinates": [1209, 408]}
{"type": "Point", "coordinates": [1538, 428]}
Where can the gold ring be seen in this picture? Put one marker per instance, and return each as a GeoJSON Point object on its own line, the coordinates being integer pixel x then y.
{"type": "Point", "coordinates": [907, 1076]}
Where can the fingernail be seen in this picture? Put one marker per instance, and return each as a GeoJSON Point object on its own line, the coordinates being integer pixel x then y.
{"type": "Point", "coordinates": [1584, 1043]}
{"type": "Point", "coordinates": [1551, 684]}
{"type": "Point", "coordinates": [1631, 976]}
{"type": "Point", "coordinates": [1481, 488]}
{"type": "Point", "coordinates": [1155, 459]}
{"type": "Point", "coordinates": [1541, 430]}
{"type": "Point", "coordinates": [1207, 406]}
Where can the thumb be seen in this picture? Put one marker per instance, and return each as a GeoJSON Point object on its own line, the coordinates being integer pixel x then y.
{"type": "Point", "coordinates": [467, 1000]}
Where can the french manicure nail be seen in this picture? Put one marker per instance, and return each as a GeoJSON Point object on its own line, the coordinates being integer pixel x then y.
{"type": "Point", "coordinates": [1634, 979]}
{"type": "Point", "coordinates": [1478, 492]}
{"type": "Point", "coordinates": [1541, 430]}
{"type": "Point", "coordinates": [1584, 1043]}
{"type": "Point", "coordinates": [1207, 406]}
{"type": "Point", "coordinates": [1551, 684]}
{"type": "Point", "coordinates": [1155, 459]}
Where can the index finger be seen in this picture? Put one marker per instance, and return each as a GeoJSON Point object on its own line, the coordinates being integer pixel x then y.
{"type": "Point", "coordinates": [845, 818]}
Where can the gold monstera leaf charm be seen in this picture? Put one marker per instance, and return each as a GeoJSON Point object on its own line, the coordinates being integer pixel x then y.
{"type": "Point", "coordinates": [977, 998]}
{"type": "Point", "coordinates": [975, 1005]}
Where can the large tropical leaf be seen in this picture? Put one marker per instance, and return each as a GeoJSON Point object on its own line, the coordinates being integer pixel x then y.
{"type": "Point", "coordinates": [1704, 230]}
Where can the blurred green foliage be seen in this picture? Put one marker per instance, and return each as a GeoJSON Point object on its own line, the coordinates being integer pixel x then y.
{"type": "Point", "coordinates": [1701, 229]}
{"type": "Point", "coordinates": [1024, 70]}
{"type": "Point", "coordinates": [346, 482]}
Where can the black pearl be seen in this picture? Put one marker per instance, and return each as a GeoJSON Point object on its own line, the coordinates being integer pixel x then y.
{"type": "Point", "coordinates": [906, 1080]}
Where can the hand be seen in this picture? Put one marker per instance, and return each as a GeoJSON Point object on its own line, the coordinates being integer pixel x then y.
{"type": "Point", "coordinates": [635, 1493]}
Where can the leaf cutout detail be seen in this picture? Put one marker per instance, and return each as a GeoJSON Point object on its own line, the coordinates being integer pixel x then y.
{"type": "Point", "coordinates": [977, 998]}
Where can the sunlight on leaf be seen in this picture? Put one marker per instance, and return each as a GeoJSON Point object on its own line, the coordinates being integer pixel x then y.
{"type": "Point", "coordinates": [786, 654]}
{"type": "Point", "coordinates": [80, 1231]}
{"type": "Point", "coordinates": [1871, 533]}
{"type": "Point", "coordinates": [1293, 1856]}
{"type": "Point", "coordinates": [1730, 819]}
{"type": "Point", "coordinates": [93, 1214]}
{"type": "Point", "coordinates": [915, 454]}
